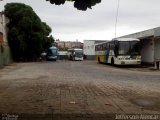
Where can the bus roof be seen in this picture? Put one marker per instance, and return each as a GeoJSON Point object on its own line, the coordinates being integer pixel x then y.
{"type": "Point", "coordinates": [126, 39]}
{"type": "Point", "coordinates": [118, 39]}
{"type": "Point", "coordinates": [52, 47]}
{"type": "Point", "coordinates": [75, 49]}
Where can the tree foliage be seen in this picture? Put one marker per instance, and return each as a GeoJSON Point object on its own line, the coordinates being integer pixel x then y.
{"type": "Point", "coordinates": [79, 4]}
{"type": "Point", "coordinates": [27, 34]}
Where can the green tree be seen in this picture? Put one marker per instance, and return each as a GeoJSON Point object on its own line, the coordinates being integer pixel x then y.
{"type": "Point", "coordinates": [79, 4]}
{"type": "Point", "coordinates": [27, 34]}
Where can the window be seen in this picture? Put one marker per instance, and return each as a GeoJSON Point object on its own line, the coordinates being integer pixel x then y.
{"type": "Point", "coordinates": [96, 48]}
{"type": "Point", "coordinates": [111, 46]}
{"type": "Point", "coordinates": [107, 45]}
{"type": "Point", "coordinates": [99, 47]}
{"type": "Point", "coordinates": [135, 48]}
{"type": "Point", "coordinates": [104, 47]}
{"type": "Point", "coordinates": [124, 48]}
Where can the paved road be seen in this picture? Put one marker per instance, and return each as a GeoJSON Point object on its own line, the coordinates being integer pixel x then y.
{"type": "Point", "coordinates": [78, 87]}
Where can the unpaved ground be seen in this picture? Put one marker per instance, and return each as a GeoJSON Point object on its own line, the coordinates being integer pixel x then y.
{"type": "Point", "coordinates": [82, 87]}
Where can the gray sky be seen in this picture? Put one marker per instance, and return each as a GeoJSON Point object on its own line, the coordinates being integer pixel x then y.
{"type": "Point", "coordinates": [70, 24]}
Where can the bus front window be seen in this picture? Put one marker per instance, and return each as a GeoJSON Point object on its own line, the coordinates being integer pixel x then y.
{"type": "Point", "coordinates": [124, 48]}
{"type": "Point", "coordinates": [135, 48]}
{"type": "Point", "coordinates": [54, 52]}
{"type": "Point", "coordinates": [78, 54]}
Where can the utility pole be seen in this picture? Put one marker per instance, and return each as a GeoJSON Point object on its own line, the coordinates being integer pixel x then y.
{"type": "Point", "coordinates": [116, 19]}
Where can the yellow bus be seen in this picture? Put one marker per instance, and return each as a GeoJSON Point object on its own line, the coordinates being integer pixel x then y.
{"type": "Point", "coordinates": [120, 51]}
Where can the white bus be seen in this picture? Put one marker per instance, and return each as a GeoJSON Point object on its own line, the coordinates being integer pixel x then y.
{"type": "Point", "coordinates": [75, 54]}
{"type": "Point", "coordinates": [120, 51]}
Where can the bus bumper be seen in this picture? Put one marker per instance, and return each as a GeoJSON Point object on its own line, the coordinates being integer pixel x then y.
{"type": "Point", "coordinates": [130, 62]}
{"type": "Point", "coordinates": [52, 58]}
{"type": "Point", "coordinates": [78, 59]}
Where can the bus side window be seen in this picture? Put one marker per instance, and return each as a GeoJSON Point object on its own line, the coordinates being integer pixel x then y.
{"type": "Point", "coordinates": [101, 47]}
{"type": "Point", "coordinates": [97, 47]}
{"type": "Point", "coordinates": [111, 46]}
{"type": "Point", "coordinates": [107, 46]}
{"type": "Point", "coordinates": [104, 46]}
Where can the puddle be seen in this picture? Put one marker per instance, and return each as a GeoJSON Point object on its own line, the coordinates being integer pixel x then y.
{"type": "Point", "coordinates": [144, 102]}
{"type": "Point", "coordinates": [147, 102]}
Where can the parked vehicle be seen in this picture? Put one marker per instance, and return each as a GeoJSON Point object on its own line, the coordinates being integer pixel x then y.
{"type": "Point", "coordinates": [75, 54]}
{"type": "Point", "coordinates": [52, 54]}
{"type": "Point", "coordinates": [121, 51]}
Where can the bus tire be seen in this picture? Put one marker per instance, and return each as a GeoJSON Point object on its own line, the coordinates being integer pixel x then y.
{"type": "Point", "coordinates": [112, 61]}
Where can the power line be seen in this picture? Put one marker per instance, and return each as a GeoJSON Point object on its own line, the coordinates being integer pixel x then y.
{"type": "Point", "coordinates": [117, 18]}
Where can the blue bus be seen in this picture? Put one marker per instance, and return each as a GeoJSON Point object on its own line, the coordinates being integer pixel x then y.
{"type": "Point", "coordinates": [52, 54]}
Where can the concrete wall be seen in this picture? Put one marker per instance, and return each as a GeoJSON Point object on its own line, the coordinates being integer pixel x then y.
{"type": "Point", "coordinates": [89, 47]}
{"type": "Point", "coordinates": [147, 51]}
{"type": "Point", "coordinates": [5, 55]}
{"type": "Point", "coordinates": [3, 28]}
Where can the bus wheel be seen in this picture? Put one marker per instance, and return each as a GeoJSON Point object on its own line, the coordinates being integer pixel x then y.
{"type": "Point", "coordinates": [112, 61]}
{"type": "Point", "coordinates": [99, 60]}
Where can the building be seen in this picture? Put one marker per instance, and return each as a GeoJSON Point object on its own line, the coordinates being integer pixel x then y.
{"type": "Point", "coordinates": [64, 45]}
{"type": "Point", "coordinates": [3, 35]}
{"type": "Point", "coordinates": [150, 40]}
{"type": "Point", "coordinates": [5, 56]}
{"type": "Point", "coordinates": [89, 48]}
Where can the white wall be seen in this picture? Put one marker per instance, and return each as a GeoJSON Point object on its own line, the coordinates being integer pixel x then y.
{"type": "Point", "coordinates": [3, 21]}
{"type": "Point", "coordinates": [147, 51]}
{"type": "Point", "coordinates": [1, 25]}
{"type": "Point", "coordinates": [89, 47]}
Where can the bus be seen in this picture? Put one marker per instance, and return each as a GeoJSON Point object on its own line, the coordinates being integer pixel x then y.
{"type": "Point", "coordinates": [119, 51]}
{"type": "Point", "coordinates": [75, 54]}
{"type": "Point", "coordinates": [52, 54]}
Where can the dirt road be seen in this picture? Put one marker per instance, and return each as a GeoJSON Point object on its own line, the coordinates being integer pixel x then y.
{"type": "Point", "coordinates": [82, 87]}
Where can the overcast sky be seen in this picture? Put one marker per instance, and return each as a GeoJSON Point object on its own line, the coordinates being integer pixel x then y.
{"type": "Point", "coordinates": [98, 23]}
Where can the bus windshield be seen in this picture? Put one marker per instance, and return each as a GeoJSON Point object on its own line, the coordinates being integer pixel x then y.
{"type": "Point", "coordinates": [52, 52]}
{"type": "Point", "coordinates": [124, 48]}
{"type": "Point", "coordinates": [129, 48]}
{"type": "Point", "coordinates": [135, 48]}
{"type": "Point", "coordinates": [78, 54]}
